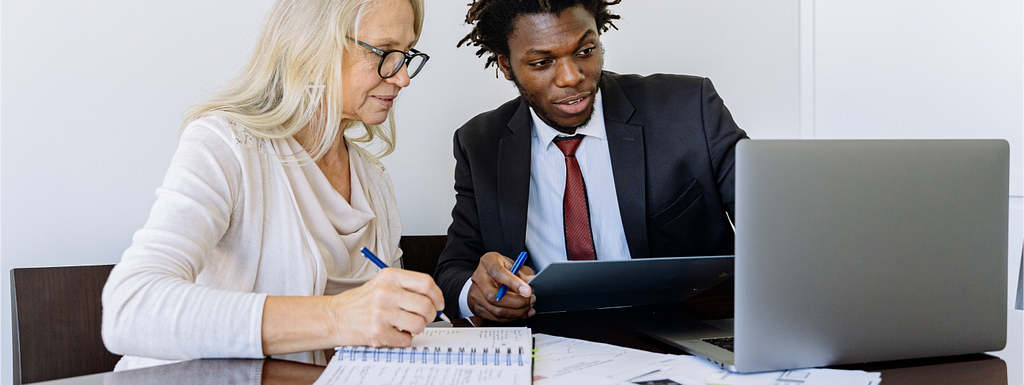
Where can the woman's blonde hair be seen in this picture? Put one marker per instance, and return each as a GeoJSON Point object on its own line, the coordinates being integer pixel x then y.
{"type": "Point", "coordinates": [293, 79]}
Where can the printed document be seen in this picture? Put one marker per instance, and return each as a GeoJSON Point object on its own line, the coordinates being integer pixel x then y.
{"type": "Point", "coordinates": [568, 361]}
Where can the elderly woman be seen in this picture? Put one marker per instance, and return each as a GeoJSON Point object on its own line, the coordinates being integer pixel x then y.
{"type": "Point", "coordinates": [252, 247]}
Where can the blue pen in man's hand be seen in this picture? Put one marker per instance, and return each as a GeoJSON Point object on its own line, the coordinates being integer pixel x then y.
{"type": "Point", "coordinates": [515, 270]}
{"type": "Point", "coordinates": [376, 261]}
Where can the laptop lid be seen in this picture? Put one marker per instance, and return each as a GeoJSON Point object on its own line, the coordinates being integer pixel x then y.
{"type": "Point", "coordinates": [858, 251]}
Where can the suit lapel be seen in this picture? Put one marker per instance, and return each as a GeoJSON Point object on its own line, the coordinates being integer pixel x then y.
{"type": "Point", "coordinates": [514, 179]}
{"type": "Point", "coordinates": [626, 149]}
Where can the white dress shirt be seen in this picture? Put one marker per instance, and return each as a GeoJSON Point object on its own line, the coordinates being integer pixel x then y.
{"type": "Point", "coordinates": [545, 232]}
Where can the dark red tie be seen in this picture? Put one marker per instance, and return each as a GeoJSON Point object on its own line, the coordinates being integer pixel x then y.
{"type": "Point", "coordinates": [579, 241]}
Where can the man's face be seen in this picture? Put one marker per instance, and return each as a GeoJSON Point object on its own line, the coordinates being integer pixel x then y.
{"type": "Point", "coordinates": [555, 61]}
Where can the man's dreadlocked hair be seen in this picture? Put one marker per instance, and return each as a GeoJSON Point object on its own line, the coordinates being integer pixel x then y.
{"type": "Point", "coordinates": [493, 21]}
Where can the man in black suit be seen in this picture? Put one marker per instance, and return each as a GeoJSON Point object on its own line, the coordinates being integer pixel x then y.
{"type": "Point", "coordinates": [585, 164]}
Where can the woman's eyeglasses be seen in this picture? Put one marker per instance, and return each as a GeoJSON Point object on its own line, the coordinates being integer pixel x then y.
{"type": "Point", "coordinates": [391, 61]}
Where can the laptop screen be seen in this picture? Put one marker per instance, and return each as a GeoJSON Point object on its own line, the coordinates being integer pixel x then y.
{"type": "Point", "coordinates": [856, 251]}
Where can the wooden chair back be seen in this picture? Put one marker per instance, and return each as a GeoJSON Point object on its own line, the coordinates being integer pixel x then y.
{"type": "Point", "coordinates": [420, 252]}
{"type": "Point", "coordinates": [56, 314]}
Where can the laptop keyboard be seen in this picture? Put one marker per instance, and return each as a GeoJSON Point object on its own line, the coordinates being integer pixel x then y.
{"type": "Point", "coordinates": [724, 342]}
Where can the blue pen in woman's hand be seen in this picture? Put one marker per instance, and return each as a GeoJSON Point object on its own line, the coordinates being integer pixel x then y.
{"type": "Point", "coordinates": [515, 270]}
{"type": "Point", "coordinates": [376, 261]}
{"type": "Point", "coordinates": [373, 258]}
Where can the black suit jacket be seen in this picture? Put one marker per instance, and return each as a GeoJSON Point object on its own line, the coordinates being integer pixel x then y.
{"type": "Point", "coordinates": [671, 143]}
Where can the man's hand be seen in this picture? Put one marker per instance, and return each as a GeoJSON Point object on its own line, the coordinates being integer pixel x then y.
{"type": "Point", "coordinates": [493, 271]}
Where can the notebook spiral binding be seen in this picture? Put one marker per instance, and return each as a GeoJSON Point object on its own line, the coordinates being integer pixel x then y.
{"type": "Point", "coordinates": [427, 355]}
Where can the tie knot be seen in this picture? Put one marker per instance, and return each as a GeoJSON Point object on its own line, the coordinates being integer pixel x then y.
{"type": "Point", "coordinates": [569, 144]}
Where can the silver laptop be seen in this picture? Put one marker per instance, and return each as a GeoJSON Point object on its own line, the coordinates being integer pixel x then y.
{"type": "Point", "coordinates": [861, 251]}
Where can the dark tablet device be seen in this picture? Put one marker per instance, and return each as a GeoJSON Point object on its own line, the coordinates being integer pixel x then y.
{"type": "Point", "coordinates": [579, 285]}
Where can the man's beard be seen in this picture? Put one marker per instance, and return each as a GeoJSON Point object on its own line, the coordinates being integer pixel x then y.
{"type": "Point", "coordinates": [544, 116]}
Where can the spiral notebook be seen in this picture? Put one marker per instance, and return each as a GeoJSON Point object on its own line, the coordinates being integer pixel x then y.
{"type": "Point", "coordinates": [439, 356]}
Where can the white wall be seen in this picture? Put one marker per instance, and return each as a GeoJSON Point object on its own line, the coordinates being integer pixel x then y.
{"type": "Point", "coordinates": [919, 69]}
{"type": "Point", "coordinates": [92, 94]}
{"type": "Point", "coordinates": [722, 41]}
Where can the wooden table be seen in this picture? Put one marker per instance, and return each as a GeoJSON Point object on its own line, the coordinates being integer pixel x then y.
{"type": "Point", "coordinates": [613, 326]}
{"type": "Point", "coordinates": [618, 327]}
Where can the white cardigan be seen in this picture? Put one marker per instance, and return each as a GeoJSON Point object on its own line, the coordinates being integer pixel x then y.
{"type": "Point", "coordinates": [224, 233]}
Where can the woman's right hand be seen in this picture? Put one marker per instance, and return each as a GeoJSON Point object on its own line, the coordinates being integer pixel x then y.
{"type": "Point", "coordinates": [387, 310]}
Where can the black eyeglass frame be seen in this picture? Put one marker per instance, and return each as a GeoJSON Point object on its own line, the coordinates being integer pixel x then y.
{"type": "Point", "coordinates": [384, 54]}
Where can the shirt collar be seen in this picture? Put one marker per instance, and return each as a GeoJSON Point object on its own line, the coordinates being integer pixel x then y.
{"type": "Point", "coordinates": [594, 128]}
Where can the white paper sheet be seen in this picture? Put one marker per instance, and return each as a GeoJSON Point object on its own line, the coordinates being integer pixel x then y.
{"type": "Point", "coordinates": [557, 357]}
{"type": "Point", "coordinates": [566, 360]}
{"type": "Point", "coordinates": [693, 370]}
